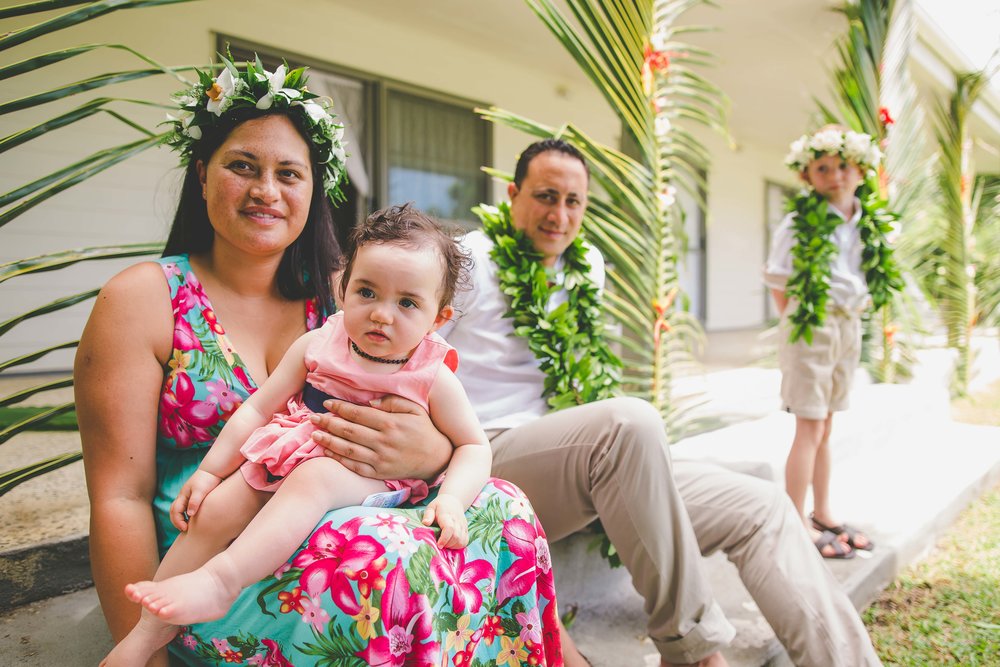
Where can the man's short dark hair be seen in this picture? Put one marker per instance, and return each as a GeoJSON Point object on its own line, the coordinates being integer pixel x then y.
{"type": "Point", "coordinates": [544, 146]}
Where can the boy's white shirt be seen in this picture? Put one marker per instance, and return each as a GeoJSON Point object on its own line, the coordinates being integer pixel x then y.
{"type": "Point", "coordinates": [848, 287]}
{"type": "Point", "coordinates": [497, 368]}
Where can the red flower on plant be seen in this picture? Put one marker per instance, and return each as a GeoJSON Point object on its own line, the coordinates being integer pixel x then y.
{"type": "Point", "coordinates": [183, 419]}
{"type": "Point", "coordinates": [233, 656]}
{"type": "Point", "coordinates": [653, 61]}
{"type": "Point", "coordinates": [407, 620]}
{"type": "Point", "coordinates": [450, 567]}
{"type": "Point", "coordinates": [884, 117]}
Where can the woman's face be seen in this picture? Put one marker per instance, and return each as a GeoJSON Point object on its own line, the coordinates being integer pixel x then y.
{"type": "Point", "coordinates": [257, 187]}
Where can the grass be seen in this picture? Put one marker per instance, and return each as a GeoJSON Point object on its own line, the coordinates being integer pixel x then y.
{"type": "Point", "coordinates": [945, 610]}
{"type": "Point", "coordinates": [63, 422]}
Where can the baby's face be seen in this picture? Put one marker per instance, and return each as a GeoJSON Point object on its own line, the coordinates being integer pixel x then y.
{"type": "Point", "coordinates": [392, 299]}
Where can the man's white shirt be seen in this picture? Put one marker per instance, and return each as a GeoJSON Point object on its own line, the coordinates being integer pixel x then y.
{"type": "Point", "coordinates": [497, 368]}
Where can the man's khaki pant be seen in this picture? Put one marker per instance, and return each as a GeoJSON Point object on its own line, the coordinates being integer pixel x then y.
{"type": "Point", "coordinates": [609, 460]}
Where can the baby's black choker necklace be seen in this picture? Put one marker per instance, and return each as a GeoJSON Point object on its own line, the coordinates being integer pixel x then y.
{"type": "Point", "coordinates": [364, 355]}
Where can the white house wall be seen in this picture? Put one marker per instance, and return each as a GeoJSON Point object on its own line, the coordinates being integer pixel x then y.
{"type": "Point", "coordinates": [134, 202]}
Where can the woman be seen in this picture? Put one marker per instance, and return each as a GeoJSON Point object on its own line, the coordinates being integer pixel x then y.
{"type": "Point", "coordinates": [161, 367]}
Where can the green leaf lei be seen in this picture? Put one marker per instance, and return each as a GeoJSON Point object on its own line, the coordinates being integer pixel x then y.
{"type": "Point", "coordinates": [813, 250]}
{"type": "Point", "coordinates": [568, 341]}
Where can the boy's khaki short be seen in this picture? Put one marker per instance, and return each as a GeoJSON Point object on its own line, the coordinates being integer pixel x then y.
{"type": "Point", "coordinates": [816, 379]}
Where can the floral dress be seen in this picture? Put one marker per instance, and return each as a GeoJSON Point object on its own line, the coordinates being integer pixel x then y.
{"type": "Point", "coordinates": [369, 586]}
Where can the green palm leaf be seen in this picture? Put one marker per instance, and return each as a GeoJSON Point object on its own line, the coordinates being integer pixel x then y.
{"type": "Point", "coordinates": [26, 196]}
{"type": "Point", "coordinates": [622, 47]}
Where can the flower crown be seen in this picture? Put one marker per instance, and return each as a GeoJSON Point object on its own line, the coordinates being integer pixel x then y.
{"type": "Point", "coordinates": [855, 147]}
{"type": "Point", "coordinates": [205, 104]}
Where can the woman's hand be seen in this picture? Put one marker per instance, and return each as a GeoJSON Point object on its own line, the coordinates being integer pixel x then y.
{"type": "Point", "coordinates": [448, 512]}
{"type": "Point", "coordinates": [394, 439]}
{"type": "Point", "coordinates": [198, 485]}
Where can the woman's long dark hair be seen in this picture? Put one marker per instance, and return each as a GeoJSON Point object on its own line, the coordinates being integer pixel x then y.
{"type": "Point", "coordinates": [307, 264]}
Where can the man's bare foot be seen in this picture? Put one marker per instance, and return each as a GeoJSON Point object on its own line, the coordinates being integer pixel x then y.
{"type": "Point", "coordinates": [148, 636]}
{"type": "Point", "coordinates": [571, 654]}
{"type": "Point", "coordinates": [714, 660]}
{"type": "Point", "coordinates": [205, 594]}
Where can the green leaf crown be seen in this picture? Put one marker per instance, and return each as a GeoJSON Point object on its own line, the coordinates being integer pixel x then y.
{"type": "Point", "coordinates": [210, 100]}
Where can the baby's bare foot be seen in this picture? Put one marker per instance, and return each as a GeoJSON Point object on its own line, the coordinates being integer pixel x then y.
{"type": "Point", "coordinates": [148, 636]}
{"type": "Point", "coordinates": [203, 595]}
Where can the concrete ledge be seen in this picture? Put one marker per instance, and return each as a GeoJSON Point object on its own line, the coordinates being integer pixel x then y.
{"type": "Point", "coordinates": [43, 571]}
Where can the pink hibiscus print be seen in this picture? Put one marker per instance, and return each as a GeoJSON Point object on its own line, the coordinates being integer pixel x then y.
{"type": "Point", "coordinates": [531, 625]}
{"type": "Point", "coordinates": [450, 567]}
{"type": "Point", "coordinates": [183, 419]}
{"type": "Point", "coordinates": [274, 657]}
{"type": "Point", "coordinates": [185, 337]}
{"type": "Point", "coordinates": [223, 395]}
{"type": "Point", "coordinates": [189, 295]}
{"type": "Point", "coordinates": [314, 614]}
{"type": "Point", "coordinates": [533, 565]}
{"type": "Point", "coordinates": [407, 621]}
{"type": "Point", "coordinates": [244, 379]}
{"type": "Point", "coordinates": [333, 558]}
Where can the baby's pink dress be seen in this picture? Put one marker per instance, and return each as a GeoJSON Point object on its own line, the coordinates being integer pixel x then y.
{"type": "Point", "coordinates": [274, 449]}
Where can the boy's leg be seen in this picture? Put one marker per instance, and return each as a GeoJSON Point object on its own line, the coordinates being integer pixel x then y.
{"type": "Point", "coordinates": [609, 459]}
{"type": "Point", "coordinates": [801, 461]}
{"type": "Point", "coordinates": [752, 521]}
{"type": "Point", "coordinates": [821, 473]}
{"type": "Point", "coordinates": [308, 492]}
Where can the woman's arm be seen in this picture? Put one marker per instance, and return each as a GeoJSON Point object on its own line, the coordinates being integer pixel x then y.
{"type": "Point", "coordinates": [393, 439]}
{"type": "Point", "coordinates": [118, 375]}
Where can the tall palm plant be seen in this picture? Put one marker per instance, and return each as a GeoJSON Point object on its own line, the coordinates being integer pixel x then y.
{"type": "Point", "coordinates": [631, 52]}
{"type": "Point", "coordinates": [875, 94]}
{"type": "Point", "coordinates": [950, 267]}
{"type": "Point", "coordinates": [25, 197]}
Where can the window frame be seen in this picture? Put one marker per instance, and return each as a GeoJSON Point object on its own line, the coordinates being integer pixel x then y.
{"type": "Point", "coordinates": [377, 90]}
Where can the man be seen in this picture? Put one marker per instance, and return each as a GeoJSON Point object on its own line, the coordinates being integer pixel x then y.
{"type": "Point", "coordinates": [609, 459]}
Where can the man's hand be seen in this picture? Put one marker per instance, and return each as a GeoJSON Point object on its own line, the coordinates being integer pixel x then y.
{"type": "Point", "coordinates": [192, 494]}
{"type": "Point", "coordinates": [447, 512]}
{"type": "Point", "coordinates": [393, 439]}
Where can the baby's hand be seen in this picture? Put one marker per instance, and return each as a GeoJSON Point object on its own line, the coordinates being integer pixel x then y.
{"type": "Point", "coordinates": [199, 485]}
{"type": "Point", "coordinates": [449, 513]}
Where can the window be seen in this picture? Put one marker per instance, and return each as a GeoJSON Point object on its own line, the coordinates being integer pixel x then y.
{"type": "Point", "coordinates": [404, 143]}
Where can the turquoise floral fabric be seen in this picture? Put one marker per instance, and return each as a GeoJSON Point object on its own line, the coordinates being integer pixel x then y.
{"type": "Point", "coordinates": [369, 586]}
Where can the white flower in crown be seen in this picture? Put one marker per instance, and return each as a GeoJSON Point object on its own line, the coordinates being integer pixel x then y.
{"type": "Point", "coordinates": [798, 153]}
{"type": "Point", "coordinates": [827, 141]}
{"type": "Point", "coordinates": [192, 131]}
{"type": "Point", "coordinates": [220, 95]}
{"type": "Point", "coordinates": [856, 146]}
{"type": "Point", "coordinates": [872, 157]}
{"type": "Point", "coordinates": [275, 86]}
{"type": "Point", "coordinates": [314, 110]}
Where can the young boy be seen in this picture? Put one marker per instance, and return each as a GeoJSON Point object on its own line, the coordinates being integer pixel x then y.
{"type": "Point", "coordinates": [820, 330]}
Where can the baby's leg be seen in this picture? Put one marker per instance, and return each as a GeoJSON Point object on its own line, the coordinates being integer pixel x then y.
{"type": "Point", "coordinates": [311, 490]}
{"type": "Point", "coordinates": [223, 515]}
{"type": "Point", "coordinates": [148, 636]}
